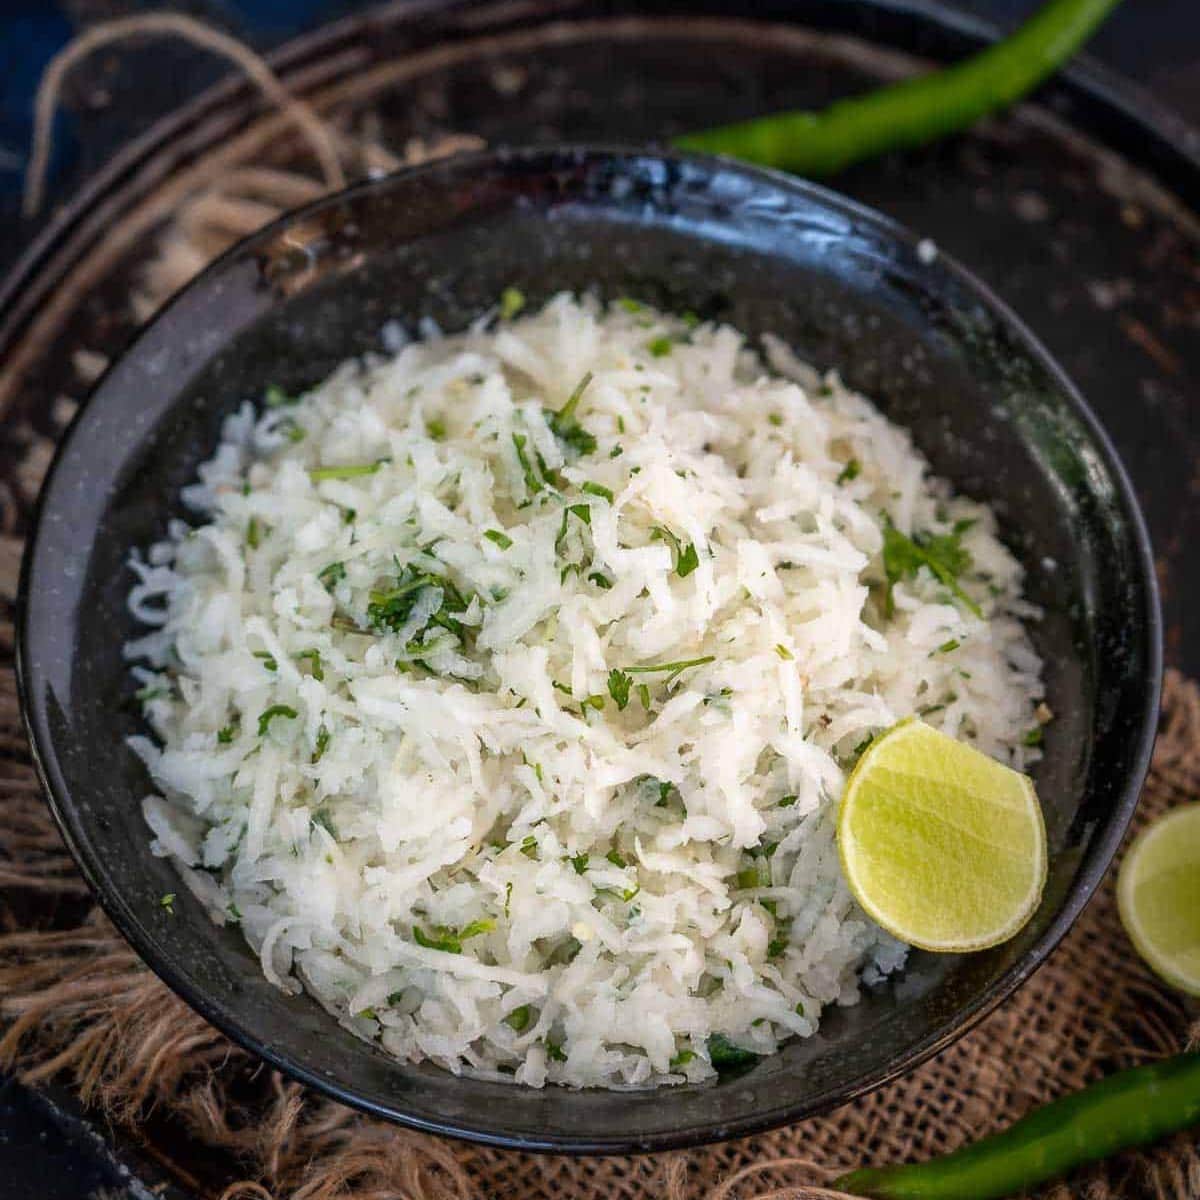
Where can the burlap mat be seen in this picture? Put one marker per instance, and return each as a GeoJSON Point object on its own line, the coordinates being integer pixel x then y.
{"type": "Point", "coordinates": [78, 1005]}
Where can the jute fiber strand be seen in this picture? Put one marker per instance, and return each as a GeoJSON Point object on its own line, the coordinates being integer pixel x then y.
{"type": "Point", "coordinates": [77, 1006]}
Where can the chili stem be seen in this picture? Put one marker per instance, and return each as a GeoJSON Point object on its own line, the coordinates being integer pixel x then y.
{"type": "Point", "coordinates": [914, 111]}
{"type": "Point", "coordinates": [1130, 1108]}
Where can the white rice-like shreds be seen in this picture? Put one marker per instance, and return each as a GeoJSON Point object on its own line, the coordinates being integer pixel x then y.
{"type": "Point", "coordinates": [417, 727]}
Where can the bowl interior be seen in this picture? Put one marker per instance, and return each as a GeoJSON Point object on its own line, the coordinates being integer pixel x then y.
{"type": "Point", "coordinates": [845, 289]}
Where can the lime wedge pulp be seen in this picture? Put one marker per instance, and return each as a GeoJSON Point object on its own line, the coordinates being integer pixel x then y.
{"type": "Point", "coordinates": [1158, 895]}
{"type": "Point", "coordinates": [941, 845]}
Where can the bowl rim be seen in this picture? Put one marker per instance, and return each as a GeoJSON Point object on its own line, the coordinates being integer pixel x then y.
{"type": "Point", "coordinates": [1100, 851]}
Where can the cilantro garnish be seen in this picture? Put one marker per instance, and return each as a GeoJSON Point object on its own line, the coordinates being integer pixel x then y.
{"type": "Point", "coordinates": [942, 553]}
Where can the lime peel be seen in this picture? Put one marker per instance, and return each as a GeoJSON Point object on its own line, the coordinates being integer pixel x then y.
{"type": "Point", "coordinates": [942, 846]}
{"type": "Point", "coordinates": [1158, 897]}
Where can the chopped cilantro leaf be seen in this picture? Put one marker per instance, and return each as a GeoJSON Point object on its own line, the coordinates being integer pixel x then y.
{"type": "Point", "coordinates": [351, 471]}
{"type": "Point", "coordinates": [566, 428]}
{"type": "Point", "coordinates": [518, 1020]}
{"type": "Point", "coordinates": [660, 347]}
{"type": "Point", "coordinates": [580, 863]}
{"type": "Point", "coordinates": [597, 489]}
{"type": "Point", "coordinates": [501, 539]}
{"type": "Point", "coordinates": [268, 659]}
{"type": "Point", "coordinates": [849, 472]}
{"type": "Point", "coordinates": [314, 657]}
{"type": "Point", "coordinates": [723, 1053]}
{"type": "Point", "coordinates": [322, 745]}
{"type": "Point", "coordinates": [512, 300]}
{"type": "Point", "coordinates": [943, 554]}
{"type": "Point", "coordinates": [276, 710]}
{"type": "Point", "coordinates": [276, 397]}
{"type": "Point", "coordinates": [673, 669]}
{"type": "Point", "coordinates": [332, 575]}
{"type": "Point", "coordinates": [618, 687]}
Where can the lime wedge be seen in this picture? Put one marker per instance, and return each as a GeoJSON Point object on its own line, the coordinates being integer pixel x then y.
{"type": "Point", "coordinates": [941, 845]}
{"type": "Point", "coordinates": [1158, 895]}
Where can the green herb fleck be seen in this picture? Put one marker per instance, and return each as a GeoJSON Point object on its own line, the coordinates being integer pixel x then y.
{"type": "Point", "coordinates": [253, 533]}
{"type": "Point", "coordinates": [597, 489]}
{"type": "Point", "coordinates": [322, 819]}
{"type": "Point", "coordinates": [276, 397]}
{"type": "Point", "coordinates": [351, 471]}
{"type": "Point", "coordinates": [449, 939]}
{"type": "Point", "coordinates": [784, 652]}
{"type": "Point", "coordinates": [943, 554]}
{"type": "Point", "coordinates": [276, 710]}
{"type": "Point", "coordinates": [946, 647]}
{"type": "Point", "coordinates": [849, 472]}
{"type": "Point", "coordinates": [682, 1059]}
{"type": "Point", "coordinates": [580, 863]}
{"type": "Point", "coordinates": [436, 429]}
{"type": "Point", "coordinates": [225, 736]}
{"type": "Point", "coordinates": [686, 558]}
{"type": "Point", "coordinates": [233, 912]}
{"type": "Point", "coordinates": [643, 691]}
{"type": "Point", "coordinates": [554, 1051]}
{"type": "Point", "coordinates": [1032, 737]}
{"type": "Point", "coordinates": [630, 305]}
{"type": "Point", "coordinates": [391, 609]}
{"type": "Point", "coordinates": [660, 347]}
{"type": "Point", "coordinates": [601, 580]}
{"type": "Point", "coordinates": [512, 300]}
{"type": "Point", "coordinates": [529, 846]}
{"type": "Point", "coordinates": [268, 659]}
{"type": "Point", "coordinates": [323, 739]}
{"type": "Point", "coordinates": [518, 1020]}
{"type": "Point", "coordinates": [673, 669]}
{"type": "Point", "coordinates": [314, 657]}
{"type": "Point", "coordinates": [168, 902]}
{"type": "Point", "coordinates": [775, 419]}
{"type": "Point", "coordinates": [501, 539]}
{"type": "Point", "coordinates": [533, 484]}
{"type": "Point", "coordinates": [788, 801]}
{"type": "Point", "coordinates": [619, 683]}
{"type": "Point", "coordinates": [152, 691]}
{"type": "Point", "coordinates": [507, 897]}
{"type": "Point", "coordinates": [566, 428]}
{"type": "Point", "coordinates": [723, 1053]}
{"type": "Point", "coordinates": [615, 858]}
{"type": "Point", "coordinates": [332, 575]}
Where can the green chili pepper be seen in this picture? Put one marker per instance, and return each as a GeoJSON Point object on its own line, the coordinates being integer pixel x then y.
{"type": "Point", "coordinates": [914, 111]}
{"type": "Point", "coordinates": [1130, 1108]}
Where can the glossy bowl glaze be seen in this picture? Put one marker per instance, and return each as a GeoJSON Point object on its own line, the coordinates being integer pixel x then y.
{"type": "Point", "coordinates": [768, 253]}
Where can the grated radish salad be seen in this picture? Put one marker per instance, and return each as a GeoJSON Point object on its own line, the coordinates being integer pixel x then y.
{"type": "Point", "coordinates": [507, 691]}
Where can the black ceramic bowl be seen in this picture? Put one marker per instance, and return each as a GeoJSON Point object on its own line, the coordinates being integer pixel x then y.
{"type": "Point", "coordinates": [768, 253]}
